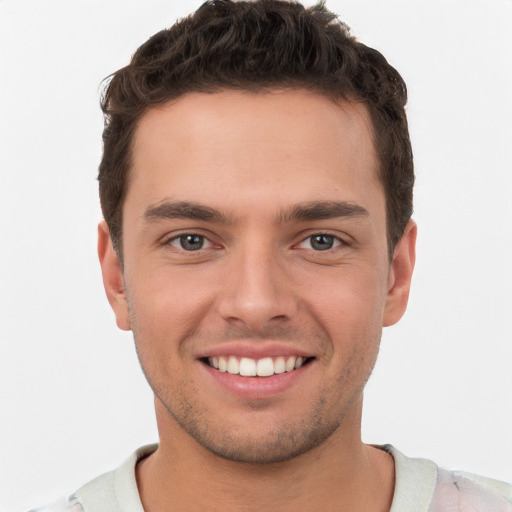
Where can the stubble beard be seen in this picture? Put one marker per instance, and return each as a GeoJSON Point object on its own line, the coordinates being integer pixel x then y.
{"type": "Point", "coordinates": [276, 443]}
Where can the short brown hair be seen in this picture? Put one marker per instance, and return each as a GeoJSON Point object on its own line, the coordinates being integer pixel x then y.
{"type": "Point", "coordinates": [256, 46]}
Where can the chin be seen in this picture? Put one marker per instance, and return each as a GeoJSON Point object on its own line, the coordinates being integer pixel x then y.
{"type": "Point", "coordinates": [265, 446]}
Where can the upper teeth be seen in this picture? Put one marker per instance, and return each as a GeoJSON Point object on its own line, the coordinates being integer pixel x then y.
{"type": "Point", "coordinates": [248, 367]}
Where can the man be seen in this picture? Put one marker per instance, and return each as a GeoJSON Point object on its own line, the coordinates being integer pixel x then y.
{"type": "Point", "coordinates": [256, 185]}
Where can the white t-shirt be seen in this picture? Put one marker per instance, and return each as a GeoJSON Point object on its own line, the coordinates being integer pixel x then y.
{"type": "Point", "coordinates": [420, 486]}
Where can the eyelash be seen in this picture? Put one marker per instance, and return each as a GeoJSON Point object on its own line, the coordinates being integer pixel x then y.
{"type": "Point", "coordinates": [181, 239]}
{"type": "Point", "coordinates": [336, 241]}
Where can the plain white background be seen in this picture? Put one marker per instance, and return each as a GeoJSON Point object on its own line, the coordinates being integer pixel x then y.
{"type": "Point", "coordinates": [73, 402]}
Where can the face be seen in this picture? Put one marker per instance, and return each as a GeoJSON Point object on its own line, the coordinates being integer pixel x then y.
{"type": "Point", "coordinates": [256, 275]}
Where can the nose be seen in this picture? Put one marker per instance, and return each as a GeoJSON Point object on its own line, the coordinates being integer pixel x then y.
{"type": "Point", "coordinates": [257, 294]}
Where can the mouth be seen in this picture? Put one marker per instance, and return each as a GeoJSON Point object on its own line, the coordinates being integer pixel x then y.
{"type": "Point", "coordinates": [264, 367]}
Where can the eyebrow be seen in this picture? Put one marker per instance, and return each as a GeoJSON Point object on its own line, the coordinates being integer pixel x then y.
{"type": "Point", "coordinates": [316, 210]}
{"type": "Point", "coordinates": [185, 210]}
{"type": "Point", "coordinates": [322, 210]}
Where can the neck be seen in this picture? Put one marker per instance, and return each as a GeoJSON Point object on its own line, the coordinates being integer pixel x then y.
{"type": "Point", "coordinates": [341, 472]}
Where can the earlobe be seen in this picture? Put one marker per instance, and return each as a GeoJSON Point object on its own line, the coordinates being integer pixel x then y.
{"type": "Point", "coordinates": [400, 275]}
{"type": "Point", "coordinates": [113, 280]}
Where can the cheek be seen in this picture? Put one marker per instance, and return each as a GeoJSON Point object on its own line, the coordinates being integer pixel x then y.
{"type": "Point", "coordinates": [165, 308]}
{"type": "Point", "coordinates": [348, 297]}
{"type": "Point", "coordinates": [164, 289]}
{"type": "Point", "coordinates": [349, 307]}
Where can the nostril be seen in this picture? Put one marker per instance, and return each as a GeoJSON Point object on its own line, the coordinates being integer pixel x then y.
{"type": "Point", "coordinates": [279, 317]}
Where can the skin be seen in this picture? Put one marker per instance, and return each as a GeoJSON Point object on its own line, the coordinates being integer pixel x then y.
{"type": "Point", "coordinates": [252, 169]}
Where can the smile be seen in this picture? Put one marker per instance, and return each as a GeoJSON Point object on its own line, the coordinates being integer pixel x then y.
{"type": "Point", "coordinates": [265, 367]}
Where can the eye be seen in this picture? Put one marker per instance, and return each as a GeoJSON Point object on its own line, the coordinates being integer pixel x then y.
{"type": "Point", "coordinates": [320, 242]}
{"type": "Point", "coordinates": [190, 242]}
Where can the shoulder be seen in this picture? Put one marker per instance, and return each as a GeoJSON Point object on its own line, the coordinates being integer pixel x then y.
{"type": "Point", "coordinates": [63, 505]}
{"type": "Point", "coordinates": [463, 491]}
{"type": "Point", "coordinates": [111, 492]}
{"type": "Point", "coordinates": [422, 484]}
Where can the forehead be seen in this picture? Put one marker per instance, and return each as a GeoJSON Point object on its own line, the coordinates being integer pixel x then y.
{"type": "Point", "coordinates": [270, 147]}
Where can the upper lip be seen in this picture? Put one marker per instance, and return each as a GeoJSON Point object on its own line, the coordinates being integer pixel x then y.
{"type": "Point", "coordinates": [253, 350]}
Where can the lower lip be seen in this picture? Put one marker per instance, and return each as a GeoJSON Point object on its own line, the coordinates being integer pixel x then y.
{"type": "Point", "coordinates": [256, 387]}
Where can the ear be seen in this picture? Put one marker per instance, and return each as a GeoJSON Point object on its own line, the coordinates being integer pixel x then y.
{"type": "Point", "coordinates": [113, 279]}
{"type": "Point", "coordinates": [400, 275]}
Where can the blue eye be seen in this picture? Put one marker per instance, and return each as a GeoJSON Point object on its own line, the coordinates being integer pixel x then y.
{"type": "Point", "coordinates": [189, 242]}
{"type": "Point", "coordinates": [320, 242]}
